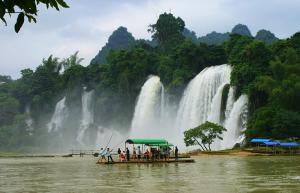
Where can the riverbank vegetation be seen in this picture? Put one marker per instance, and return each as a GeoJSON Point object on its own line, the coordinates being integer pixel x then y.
{"type": "Point", "coordinates": [266, 69]}
{"type": "Point", "coordinates": [203, 135]}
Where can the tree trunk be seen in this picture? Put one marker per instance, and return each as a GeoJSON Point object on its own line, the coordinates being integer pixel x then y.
{"type": "Point", "coordinates": [199, 144]}
{"type": "Point", "coordinates": [205, 148]}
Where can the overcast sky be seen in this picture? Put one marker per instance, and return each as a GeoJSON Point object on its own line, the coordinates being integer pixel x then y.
{"type": "Point", "coordinates": [86, 25]}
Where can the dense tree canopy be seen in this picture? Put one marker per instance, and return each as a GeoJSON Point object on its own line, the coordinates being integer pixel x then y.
{"type": "Point", "coordinates": [167, 30]}
{"type": "Point", "coordinates": [269, 74]}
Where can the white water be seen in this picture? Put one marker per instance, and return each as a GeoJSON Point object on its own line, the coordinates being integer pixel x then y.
{"type": "Point", "coordinates": [60, 113]}
{"type": "Point", "coordinates": [196, 103]}
{"type": "Point", "coordinates": [230, 101]}
{"type": "Point", "coordinates": [29, 120]}
{"type": "Point", "coordinates": [235, 123]}
{"type": "Point", "coordinates": [162, 104]}
{"type": "Point", "coordinates": [87, 117]}
{"type": "Point", "coordinates": [215, 112]}
{"type": "Point", "coordinates": [201, 101]}
{"type": "Point", "coordinates": [148, 109]}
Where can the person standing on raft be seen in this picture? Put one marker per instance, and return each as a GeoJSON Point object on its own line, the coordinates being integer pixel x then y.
{"type": "Point", "coordinates": [139, 153]}
{"type": "Point", "coordinates": [119, 153]}
{"type": "Point", "coordinates": [127, 154]}
{"type": "Point", "coordinates": [176, 153]}
{"type": "Point", "coordinates": [108, 154]}
{"type": "Point", "coordinates": [102, 154]}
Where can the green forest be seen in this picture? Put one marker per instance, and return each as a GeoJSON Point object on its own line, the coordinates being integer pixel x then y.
{"type": "Point", "coordinates": [265, 68]}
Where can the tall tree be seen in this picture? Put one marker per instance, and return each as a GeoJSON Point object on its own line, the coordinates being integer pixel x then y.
{"type": "Point", "coordinates": [203, 135]}
{"type": "Point", "coordinates": [71, 61]}
{"type": "Point", "coordinates": [167, 30]}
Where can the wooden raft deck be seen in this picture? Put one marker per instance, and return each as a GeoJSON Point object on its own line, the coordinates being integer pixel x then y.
{"type": "Point", "coordinates": [150, 161]}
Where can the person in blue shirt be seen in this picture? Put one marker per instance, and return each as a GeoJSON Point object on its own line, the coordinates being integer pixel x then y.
{"type": "Point", "coordinates": [102, 154]}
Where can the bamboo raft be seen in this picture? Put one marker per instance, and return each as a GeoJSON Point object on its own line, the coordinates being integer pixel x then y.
{"type": "Point", "coordinates": [186, 160]}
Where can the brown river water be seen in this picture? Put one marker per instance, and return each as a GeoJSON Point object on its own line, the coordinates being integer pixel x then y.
{"type": "Point", "coordinates": [208, 174]}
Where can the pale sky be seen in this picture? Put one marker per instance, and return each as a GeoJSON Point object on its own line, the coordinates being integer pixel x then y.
{"type": "Point", "coordinates": [86, 25]}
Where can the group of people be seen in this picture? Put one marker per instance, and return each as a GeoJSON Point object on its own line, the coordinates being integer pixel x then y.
{"type": "Point", "coordinates": [105, 153]}
{"type": "Point", "coordinates": [137, 154]}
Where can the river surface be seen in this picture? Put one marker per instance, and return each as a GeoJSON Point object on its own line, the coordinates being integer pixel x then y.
{"type": "Point", "coordinates": [208, 174]}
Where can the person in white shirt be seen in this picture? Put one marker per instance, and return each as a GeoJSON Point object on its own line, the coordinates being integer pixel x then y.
{"type": "Point", "coordinates": [102, 154]}
{"type": "Point", "coordinates": [108, 154]}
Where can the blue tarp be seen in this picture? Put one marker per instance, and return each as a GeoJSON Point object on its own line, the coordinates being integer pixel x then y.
{"type": "Point", "coordinates": [271, 143]}
{"type": "Point", "coordinates": [260, 140]}
{"type": "Point", "coordinates": [289, 144]}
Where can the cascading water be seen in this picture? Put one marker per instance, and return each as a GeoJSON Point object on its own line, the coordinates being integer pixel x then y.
{"type": "Point", "coordinates": [202, 101]}
{"type": "Point", "coordinates": [196, 104]}
{"type": "Point", "coordinates": [230, 101]}
{"type": "Point", "coordinates": [60, 113]}
{"type": "Point", "coordinates": [148, 109]}
{"type": "Point", "coordinates": [235, 123]}
{"type": "Point", "coordinates": [29, 120]}
{"type": "Point", "coordinates": [162, 103]}
{"type": "Point", "coordinates": [215, 112]}
{"type": "Point", "coordinates": [87, 115]}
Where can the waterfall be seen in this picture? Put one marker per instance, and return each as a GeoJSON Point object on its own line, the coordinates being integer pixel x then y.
{"type": "Point", "coordinates": [202, 100]}
{"type": "Point", "coordinates": [60, 112]}
{"type": "Point", "coordinates": [235, 123]}
{"type": "Point", "coordinates": [196, 103]}
{"type": "Point", "coordinates": [29, 120]}
{"type": "Point", "coordinates": [87, 115]}
{"type": "Point", "coordinates": [162, 104]}
{"type": "Point", "coordinates": [148, 109]}
{"type": "Point", "coordinates": [215, 112]}
{"type": "Point", "coordinates": [230, 101]}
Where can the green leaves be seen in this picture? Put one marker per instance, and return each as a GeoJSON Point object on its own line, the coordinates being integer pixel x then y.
{"type": "Point", "coordinates": [167, 30]}
{"type": "Point", "coordinates": [20, 21]}
{"type": "Point", "coordinates": [2, 11]}
{"type": "Point", "coordinates": [203, 135]}
{"type": "Point", "coordinates": [30, 18]}
{"type": "Point", "coordinates": [62, 3]}
{"type": "Point", "coordinates": [26, 8]}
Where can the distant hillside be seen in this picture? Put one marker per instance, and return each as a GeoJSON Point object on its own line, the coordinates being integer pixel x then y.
{"type": "Point", "coordinates": [190, 34]}
{"type": "Point", "coordinates": [120, 39]}
{"type": "Point", "coordinates": [266, 36]}
{"type": "Point", "coordinates": [242, 30]}
{"type": "Point", "coordinates": [214, 38]}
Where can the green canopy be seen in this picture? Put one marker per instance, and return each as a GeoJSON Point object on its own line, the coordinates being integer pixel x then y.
{"type": "Point", "coordinates": [162, 145]}
{"type": "Point", "coordinates": [147, 141]}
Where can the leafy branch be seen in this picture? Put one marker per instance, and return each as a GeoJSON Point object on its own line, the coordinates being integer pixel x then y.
{"type": "Point", "coordinates": [26, 8]}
